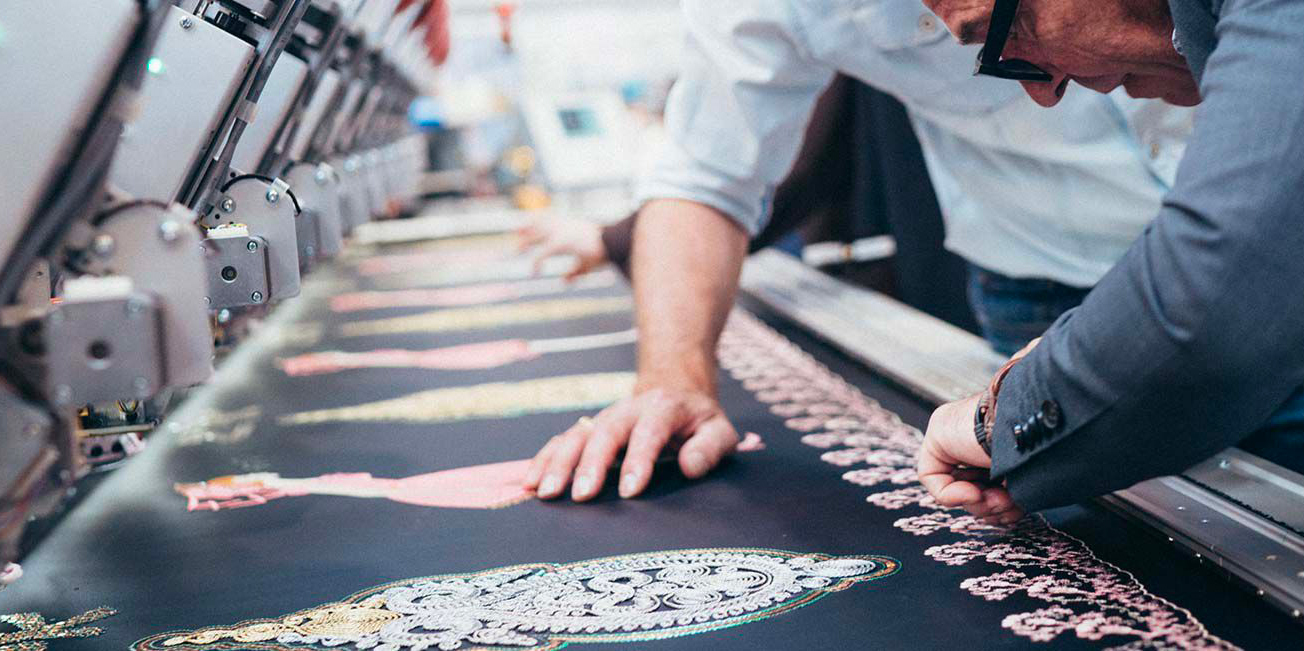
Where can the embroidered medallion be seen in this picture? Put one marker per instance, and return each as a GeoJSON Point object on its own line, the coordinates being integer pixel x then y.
{"type": "Point", "coordinates": [491, 316]}
{"type": "Point", "coordinates": [633, 598]}
{"type": "Point", "coordinates": [482, 401]}
{"type": "Point", "coordinates": [1085, 596]}
{"type": "Point", "coordinates": [33, 632]}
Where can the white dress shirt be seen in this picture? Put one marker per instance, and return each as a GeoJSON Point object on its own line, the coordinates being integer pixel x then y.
{"type": "Point", "coordinates": [1025, 191]}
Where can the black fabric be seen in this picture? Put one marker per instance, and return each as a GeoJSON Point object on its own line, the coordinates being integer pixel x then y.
{"type": "Point", "coordinates": [132, 545]}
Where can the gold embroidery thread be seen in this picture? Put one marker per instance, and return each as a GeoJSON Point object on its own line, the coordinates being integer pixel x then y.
{"type": "Point", "coordinates": [493, 316]}
{"type": "Point", "coordinates": [33, 631]}
{"type": "Point", "coordinates": [482, 401]}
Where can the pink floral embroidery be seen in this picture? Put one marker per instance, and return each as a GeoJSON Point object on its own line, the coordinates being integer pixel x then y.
{"type": "Point", "coordinates": [903, 497]}
{"type": "Point", "coordinates": [880, 475]}
{"type": "Point", "coordinates": [1086, 597]}
{"type": "Point", "coordinates": [751, 442]}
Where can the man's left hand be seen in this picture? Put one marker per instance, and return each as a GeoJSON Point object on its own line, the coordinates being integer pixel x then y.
{"type": "Point", "coordinates": [954, 468]}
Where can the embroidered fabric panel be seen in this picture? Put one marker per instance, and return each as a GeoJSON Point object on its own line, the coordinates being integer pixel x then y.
{"type": "Point", "coordinates": [490, 316]}
{"type": "Point", "coordinates": [33, 632]}
{"type": "Point", "coordinates": [1085, 596]}
{"type": "Point", "coordinates": [638, 597]}
{"type": "Point", "coordinates": [493, 400]}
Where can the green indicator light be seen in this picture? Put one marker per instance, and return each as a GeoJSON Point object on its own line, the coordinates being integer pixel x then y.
{"type": "Point", "coordinates": [154, 66]}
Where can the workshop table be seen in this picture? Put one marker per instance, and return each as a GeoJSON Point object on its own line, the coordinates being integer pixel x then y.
{"type": "Point", "coordinates": [815, 537]}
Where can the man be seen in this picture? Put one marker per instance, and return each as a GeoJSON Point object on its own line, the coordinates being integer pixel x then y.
{"type": "Point", "coordinates": [1025, 193]}
{"type": "Point", "coordinates": [1196, 337]}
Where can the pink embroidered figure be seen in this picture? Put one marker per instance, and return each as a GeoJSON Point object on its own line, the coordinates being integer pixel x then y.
{"type": "Point", "coordinates": [490, 354]}
{"type": "Point", "coordinates": [489, 486]}
{"type": "Point", "coordinates": [470, 356]}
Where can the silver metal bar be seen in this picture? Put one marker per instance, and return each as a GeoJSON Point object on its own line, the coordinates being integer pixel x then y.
{"type": "Point", "coordinates": [936, 360]}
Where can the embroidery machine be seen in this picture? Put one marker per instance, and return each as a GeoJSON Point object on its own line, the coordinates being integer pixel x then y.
{"type": "Point", "coordinates": [201, 157]}
{"type": "Point", "coordinates": [192, 161]}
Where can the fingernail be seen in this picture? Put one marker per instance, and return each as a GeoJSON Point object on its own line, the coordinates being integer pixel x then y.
{"type": "Point", "coordinates": [583, 485]}
{"type": "Point", "coordinates": [629, 484]}
{"type": "Point", "coordinates": [551, 486]}
{"type": "Point", "coordinates": [695, 464]}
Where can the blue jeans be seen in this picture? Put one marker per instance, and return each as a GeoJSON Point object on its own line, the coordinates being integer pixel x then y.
{"type": "Point", "coordinates": [1014, 311]}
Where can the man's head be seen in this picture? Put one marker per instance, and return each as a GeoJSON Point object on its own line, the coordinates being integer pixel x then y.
{"type": "Point", "coordinates": [1101, 44]}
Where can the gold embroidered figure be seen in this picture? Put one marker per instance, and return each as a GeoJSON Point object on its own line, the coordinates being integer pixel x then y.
{"type": "Point", "coordinates": [632, 598]}
{"type": "Point", "coordinates": [213, 426]}
{"type": "Point", "coordinates": [482, 401]}
{"type": "Point", "coordinates": [492, 316]}
{"type": "Point", "coordinates": [500, 271]}
{"type": "Point", "coordinates": [33, 631]}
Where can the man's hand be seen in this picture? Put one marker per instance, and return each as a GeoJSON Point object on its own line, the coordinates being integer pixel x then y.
{"type": "Point", "coordinates": [552, 236]}
{"type": "Point", "coordinates": [644, 426]}
{"type": "Point", "coordinates": [684, 267]}
{"type": "Point", "coordinates": [953, 467]}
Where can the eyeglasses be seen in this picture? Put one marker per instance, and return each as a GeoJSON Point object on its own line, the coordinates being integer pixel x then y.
{"type": "Point", "coordinates": [989, 57]}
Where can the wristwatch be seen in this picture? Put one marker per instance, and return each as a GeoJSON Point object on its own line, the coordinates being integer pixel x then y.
{"type": "Point", "coordinates": [980, 429]}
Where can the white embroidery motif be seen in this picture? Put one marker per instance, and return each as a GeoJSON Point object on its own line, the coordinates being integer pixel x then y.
{"type": "Point", "coordinates": [637, 597]}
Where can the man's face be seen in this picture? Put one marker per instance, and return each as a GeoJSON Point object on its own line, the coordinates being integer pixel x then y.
{"type": "Point", "coordinates": [1102, 44]}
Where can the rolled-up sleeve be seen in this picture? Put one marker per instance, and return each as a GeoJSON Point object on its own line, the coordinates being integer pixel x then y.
{"type": "Point", "coordinates": [1197, 335]}
{"type": "Point", "coordinates": [736, 115]}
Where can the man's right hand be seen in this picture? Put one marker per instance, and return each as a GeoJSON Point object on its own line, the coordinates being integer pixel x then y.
{"type": "Point", "coordinates": [685, 262]}
{"type": "Point", "coordinates": [645, 426]}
